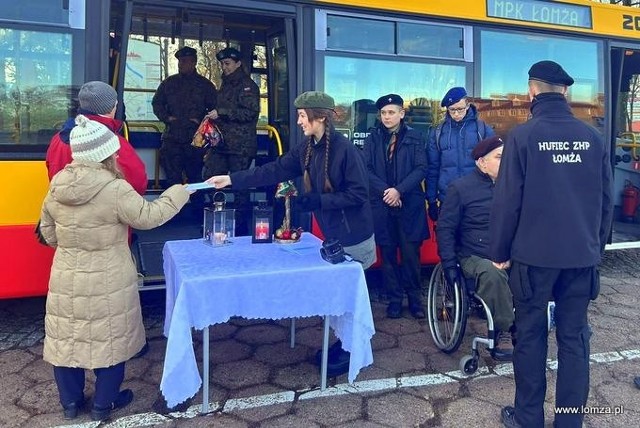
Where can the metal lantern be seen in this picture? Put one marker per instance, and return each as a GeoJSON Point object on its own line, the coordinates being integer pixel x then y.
{"type": "Point", "coordinates": [219, 222]}
{"type": "Point", "coordinates": [262, 230]}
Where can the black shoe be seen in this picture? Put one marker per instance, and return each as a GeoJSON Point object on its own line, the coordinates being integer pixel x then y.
{"type": "Point", "coordinates": [637, 382]}
{"type": "Point", "coordinates": [394, 310]}
{"type": "Point", "coordinates": [142, 352]}
{"type": "Point", "coordinates": [417, 312]}
{"type": "Point", "coordinates": [332, 353]}
{"type": "Point", "coordinates": [508, 416]}
{"type": "Point", "coordinates": [71, 410]}
{"type": "Point", "coordinates": [101, 413]}
{"type": "Point", "coordinates": [339, 364]}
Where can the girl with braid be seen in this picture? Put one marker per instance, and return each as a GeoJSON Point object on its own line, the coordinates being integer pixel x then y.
{"type": "Point", "coordinates": [334, 177]}
{"type": "Point", "coordinates": [335, 184]}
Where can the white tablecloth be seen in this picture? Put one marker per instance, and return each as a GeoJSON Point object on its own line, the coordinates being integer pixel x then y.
{"type": "Point", "coordinates": [208, 285]}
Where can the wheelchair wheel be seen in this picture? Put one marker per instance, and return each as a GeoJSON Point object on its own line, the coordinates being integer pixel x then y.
{"type": "Point", "coordinates": [446, 311]}
{"type": "Point", "coordinates": [468, 364]}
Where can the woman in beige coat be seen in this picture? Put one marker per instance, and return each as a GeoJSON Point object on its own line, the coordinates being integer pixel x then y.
{"type": "Point", "coordinates": [93, 318]}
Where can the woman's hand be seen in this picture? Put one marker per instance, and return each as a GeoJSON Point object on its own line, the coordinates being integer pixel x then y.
{"type": "Point", "coordinates": [219, 181]}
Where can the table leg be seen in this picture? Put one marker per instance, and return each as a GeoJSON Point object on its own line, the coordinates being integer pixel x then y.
{"type": "Point", "coordinates": [293, 333]}
{"type": "Point", "coordinates": [325, 351]}
{"type": "Point", "coordinates": [205, 370]}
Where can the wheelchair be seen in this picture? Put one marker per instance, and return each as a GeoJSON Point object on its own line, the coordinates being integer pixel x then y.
{"type": "Point", "coordinates": [448, 308]}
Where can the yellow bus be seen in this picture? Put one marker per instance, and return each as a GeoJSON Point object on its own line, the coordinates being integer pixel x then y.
{"type": "Point", "coordinates": [355, 50]}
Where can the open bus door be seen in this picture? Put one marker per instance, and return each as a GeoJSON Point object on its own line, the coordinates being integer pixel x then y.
{"type": "Point", "coordinates": [150, 34]}
{"type": "Point", "coordinates": [624, 135]}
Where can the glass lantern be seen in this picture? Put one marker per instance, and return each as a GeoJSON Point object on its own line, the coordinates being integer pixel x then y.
{"type": "Point", "coordinates": [219, 222]}
{"type": "Point", "coordinates": [262, 225]}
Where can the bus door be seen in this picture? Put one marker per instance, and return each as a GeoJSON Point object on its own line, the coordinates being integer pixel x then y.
{"type": "Point", "coordinates": [625, 137]}
{"type": "Point", "coordinates": [153, 33]}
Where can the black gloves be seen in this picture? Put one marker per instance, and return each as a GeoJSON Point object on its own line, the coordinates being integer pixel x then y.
{"type": "Point", "coordinates": [433, 211]}
{"type": "Point", "coordinates": [309, 201]}
{"type": "Point", "coordinates": [451, 275]}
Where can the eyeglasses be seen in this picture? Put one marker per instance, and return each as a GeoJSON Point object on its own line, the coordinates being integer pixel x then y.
{"type": "Point", "coordinates": [458, 110]}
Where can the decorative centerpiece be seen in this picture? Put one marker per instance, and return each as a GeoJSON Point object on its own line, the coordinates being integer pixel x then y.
{"type": "Point", "coordinates": [285, 234]}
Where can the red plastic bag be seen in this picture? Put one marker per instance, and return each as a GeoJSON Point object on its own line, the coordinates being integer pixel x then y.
{"type": "Point", "coordinates": [207, 135]}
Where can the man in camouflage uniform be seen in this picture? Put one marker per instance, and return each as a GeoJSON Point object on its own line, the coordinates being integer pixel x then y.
{"type": "Point", "coordinates": [181, 102]}
{"type": "Point", "coordinates": [237, 116]}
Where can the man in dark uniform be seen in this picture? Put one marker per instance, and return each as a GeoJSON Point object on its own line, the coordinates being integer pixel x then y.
{"type": "Point", "coordinates": [181, 102]}
{"type": "Point", "coordinates": [550, 219]}
{"type": "Point", "coordinates": [237, 116]}
{"type": "Point", "coordinates": [396, 163]}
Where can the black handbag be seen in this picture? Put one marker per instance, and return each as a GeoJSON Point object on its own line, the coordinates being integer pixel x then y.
{"type": "Point", "coordinates": [332, 251]}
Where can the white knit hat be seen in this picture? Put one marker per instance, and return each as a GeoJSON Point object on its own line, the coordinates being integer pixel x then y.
{"type": "Point", "coordinates": [92, 141]}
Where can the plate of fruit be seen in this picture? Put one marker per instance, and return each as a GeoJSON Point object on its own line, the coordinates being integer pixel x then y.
{"type": "Point", "coordinates": [288, 236]}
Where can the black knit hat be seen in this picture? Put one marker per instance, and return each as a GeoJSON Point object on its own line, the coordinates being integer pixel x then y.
{"type": "Point", "coordinates": [550, 72]}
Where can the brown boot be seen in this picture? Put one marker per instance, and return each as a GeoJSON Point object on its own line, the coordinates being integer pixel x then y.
{"type": "Point", "coordinates": [502, 346]}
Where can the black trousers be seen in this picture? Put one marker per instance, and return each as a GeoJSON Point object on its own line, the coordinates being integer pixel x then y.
{"type": "Point", "coordinates": [179, 160]}
{"type": "Point", "coordinates": [571, 289]}
{"type": "Point", "coordinates": [405, 277]}
{"type": "Point", "coordinates": [70, 382]}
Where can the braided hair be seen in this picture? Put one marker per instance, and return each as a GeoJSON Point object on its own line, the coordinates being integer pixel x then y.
{"type": "Point", "coordinates": [317, 114]}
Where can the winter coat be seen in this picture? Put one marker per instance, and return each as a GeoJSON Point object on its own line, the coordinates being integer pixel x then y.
{"type": "Point", "coordinates": [345, 213]}
{"type": "Point", "coordinates": [93, 317]}
{"type": "Point", "coordinates": [132, 167]}
{"type": "Point", "coordinates": [449, 151]}
{"type": "Point", "coordinates": [184, 97]}
{"type": "Point", "coordinates": [553, 203]}
{"type": "Point", "coordinates": [238, 110]}
{"type": "Point", "coordinates": [463, 224]}
{"type": "Point", "coordinates": [405, 173]}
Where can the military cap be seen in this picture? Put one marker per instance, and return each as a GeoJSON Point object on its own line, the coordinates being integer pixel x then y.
{"type": "Point", "coordinates": [225, 53]}
{"type": "Point", "coordinates": [314, 99]}
{"type": "Point", "coordinates": [485, 146]}
{"type": "Point", "coordinates": [550, 72]}
{"type": "Point", "coordinates": [453, 95]}
{"type": "Point", "coordinates": [389, 99]}
{"type": "Point", "coordinates": [186, 51]}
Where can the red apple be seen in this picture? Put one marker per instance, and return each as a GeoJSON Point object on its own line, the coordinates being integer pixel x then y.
{"type": "Point", "coordinates": [286, 234]}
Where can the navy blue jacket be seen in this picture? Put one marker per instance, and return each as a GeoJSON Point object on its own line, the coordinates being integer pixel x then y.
{"type": "Point", "coordinates": [463, 225]}
{"type": "Point", "coordinates": [345, 213]}
{"type": "Point", "coordinates": [449, 155]}
{"type": "Point", "coordinates": [405, 173]}
{"type": "Point", "coordinates": [553, 200]}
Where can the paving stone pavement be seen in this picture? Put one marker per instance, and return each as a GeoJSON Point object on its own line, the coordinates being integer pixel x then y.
{"type": "Point", "coordinates": [258, 381]}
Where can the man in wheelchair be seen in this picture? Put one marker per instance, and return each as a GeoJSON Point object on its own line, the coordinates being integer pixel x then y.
{"type": "Point", "coordinates": [463, 238]}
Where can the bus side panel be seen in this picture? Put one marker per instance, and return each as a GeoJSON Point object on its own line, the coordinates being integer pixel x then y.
{"type": "Point", "coordinates": [428, 250]}
{"type": "Point", "coordinates": [25, 263]}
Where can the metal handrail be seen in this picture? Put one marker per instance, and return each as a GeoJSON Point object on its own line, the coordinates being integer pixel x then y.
{"type": "Point", "coordinates": [633, 145]}
{"type": "Point", "coordinates": [273, 132]}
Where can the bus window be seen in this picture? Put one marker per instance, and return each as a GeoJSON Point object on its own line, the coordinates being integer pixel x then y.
{"type": "Point", "coordinates": [352, 79]}
{"type": "Point", "coordinates": [36, 84]}
{"type": "Point", "coordinates": [505, 62]}
{"type": "Point", "coordinates": [141, 79]}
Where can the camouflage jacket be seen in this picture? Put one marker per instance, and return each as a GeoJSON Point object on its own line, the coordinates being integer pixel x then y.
{"type": "Point", "coordinates": [238, 108]}
{"type": "Point", "coordinates": [185, 98]}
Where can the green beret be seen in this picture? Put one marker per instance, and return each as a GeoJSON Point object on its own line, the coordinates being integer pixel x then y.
{"type": "Point", "coordinates": [225, 53]}
{"type": "Point", "coordinates": [314, 99]}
